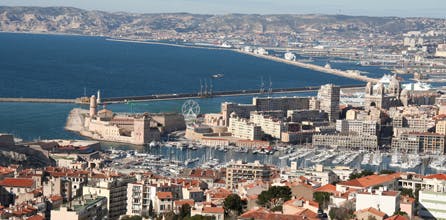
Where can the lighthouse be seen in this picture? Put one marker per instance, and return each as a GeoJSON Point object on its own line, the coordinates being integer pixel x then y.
{"type": "Point", "coordinates": [93, 106]}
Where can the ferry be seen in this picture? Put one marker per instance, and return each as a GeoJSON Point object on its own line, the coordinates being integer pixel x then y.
{"type": "Point", "coordinates": [218, 76]}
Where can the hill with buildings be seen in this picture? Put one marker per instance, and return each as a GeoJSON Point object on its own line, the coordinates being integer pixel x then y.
{"type": "Point", "coordinates": [272, 29]}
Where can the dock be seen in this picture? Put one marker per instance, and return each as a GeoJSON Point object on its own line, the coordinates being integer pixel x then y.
{"type": "Point", "coordinates": [38, 100]}
{"type": "Point", "coordinates": [179, 96]}
{"type": "Point", "coordinates": [183, 96]}
{"type": "Point", "coordinates": [314, 67]}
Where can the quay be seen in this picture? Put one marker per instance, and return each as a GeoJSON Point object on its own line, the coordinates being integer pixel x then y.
{"type": "Point", "coordinates": [313, 67]}
{"type": "Point", "coordinates": [38, 100]}
{"type": "Point", "coordinates": [179, 96]}
{"type": "Point", "coordinates": [216, 94]}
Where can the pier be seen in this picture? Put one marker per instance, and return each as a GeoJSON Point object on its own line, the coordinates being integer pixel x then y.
{"type": "Point", "coordinates": [174, 96]}
{"type": "Point", "coordinates": [38, 100]}
{"type": "Point", "coordinates": [314, 67]}
{"type": "Point", "coordinates": [216, 94]}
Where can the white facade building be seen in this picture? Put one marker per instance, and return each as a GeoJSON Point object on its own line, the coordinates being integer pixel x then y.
{"type": "Point", "coordinates": [384, 201]}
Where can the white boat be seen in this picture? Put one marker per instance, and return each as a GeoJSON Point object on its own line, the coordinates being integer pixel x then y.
{"type": "Point", "coordinates": [351, 158]}
{"type": "Point", "coordinates": [395, 161]}
{"type": "Point", "coordinates": [366, 159]}
{"type": "Point", "coordinates": [289, 56]}
{"type": "Point", "coordinates": [218, 76]}
{"type": "Point", "coordinates": [377, 159]}
{"type": "Point", "coordinates": [153, 144]}
{"type": "Point", "coordinates": [438, 163]}
{"type": "Point", "coordinates": [411, 161]}
{"type": "Point", "coordinates": [418, 86]}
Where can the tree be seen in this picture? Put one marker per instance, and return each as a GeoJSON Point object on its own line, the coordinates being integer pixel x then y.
{"type": "Point", "coordinates": [342, 213]}
{"type": "Point", "coordinates": [274, 196]}
{"type": "Point", "coordinates": [407, 192]}
{"type": "Point", "coordinates": [361, 174]}
{"type": "Point", "coordinates": [135, 217]}
{"type": "Point", "coordinates": [233, 203]}
{"type": "Point", "coordinates": [184, 211]}
{"type": "Point", "coordinates": [386, 171]}
{"type": "Point", "coordinates": [323, 198]}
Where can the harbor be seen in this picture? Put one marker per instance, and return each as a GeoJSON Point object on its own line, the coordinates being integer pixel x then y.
{"type": "Point", "coordinates": [167, 158]}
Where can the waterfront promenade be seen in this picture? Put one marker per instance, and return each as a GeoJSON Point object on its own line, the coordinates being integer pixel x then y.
{"type": "Point", "coordinates": [314, 67]}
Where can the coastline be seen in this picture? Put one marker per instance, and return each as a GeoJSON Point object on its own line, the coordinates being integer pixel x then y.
{"type": "Point", "coordinates": [166, 44]}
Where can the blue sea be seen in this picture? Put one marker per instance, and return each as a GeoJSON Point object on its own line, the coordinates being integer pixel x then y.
{"type": "Point", "coordinates": [58, 66]}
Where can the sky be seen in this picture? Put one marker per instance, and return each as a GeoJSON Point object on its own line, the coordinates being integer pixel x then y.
{"type": "Point", "coordinates": [401, 8]}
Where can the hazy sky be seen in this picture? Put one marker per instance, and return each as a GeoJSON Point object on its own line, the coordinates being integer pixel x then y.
{"type": "Point", "coordinates": [405, 8]}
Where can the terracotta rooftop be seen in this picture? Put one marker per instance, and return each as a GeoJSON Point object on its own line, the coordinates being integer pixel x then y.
{"type": "Point", "coordinates": [17, 182]}
{"type": "Point", "coordinates": [36, 217]}
{"type": "Point", "coordinates": [263, 214]}
{"type": "Point", "coordinates": [439, 176]}
{"type": "Point", "coordinates": [369, 181]}
{"type": "Point", "coordinates": [164, 195]}
{"type": "Point", "coordinates": [330, 188]}
{"type": "Point", "coordinates": [191, 202]}
{"type": "Point", "coordinates": [56, 198]}
{"type": "Point", "coordinates": [397, 217]}
{"type": "Point", "coordinates": [372, 211]}
{"type": "Point", "coordinates": [219, 193]}
{"type": "Point", "coordinates": [213, 210]}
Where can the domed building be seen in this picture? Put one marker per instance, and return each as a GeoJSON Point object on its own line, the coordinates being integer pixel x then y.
{"type": "Point", "coordinates": [383, 95]}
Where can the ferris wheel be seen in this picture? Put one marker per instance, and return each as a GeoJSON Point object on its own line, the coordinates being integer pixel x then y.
{"type": "Point", "coordinates": [190, 111]}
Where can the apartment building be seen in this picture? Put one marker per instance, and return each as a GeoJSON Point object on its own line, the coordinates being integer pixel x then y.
{"type": "Point", "coordinates": [238, 170]}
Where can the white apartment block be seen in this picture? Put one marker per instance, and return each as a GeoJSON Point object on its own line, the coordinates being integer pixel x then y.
{"type": "Point", "coordinates": [139, 196]}
{"type": "Point", "coordinates": [384, 201]}
{"type": "Point", "coordinates": [358, 127]}
{"type": "Point", "coordinates": [238, 170]}
{"type": "Point", "coordinates": [269, 125]}
{"type": "Point", "coordinates": [242, 128]}
{"type": "Point", "coordinates": [432, 204]}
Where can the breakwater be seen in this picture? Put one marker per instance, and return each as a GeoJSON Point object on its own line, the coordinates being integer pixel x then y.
{"type": "Point", "coordinates": [337, 72]}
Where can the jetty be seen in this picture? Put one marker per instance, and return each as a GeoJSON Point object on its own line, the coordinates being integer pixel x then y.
{"type": "Point", "coordinates": [175, 96]}
{"type": "Point", "coordinates": [314, 67]}
{"type": "Point", "coordinates": [38, 100]}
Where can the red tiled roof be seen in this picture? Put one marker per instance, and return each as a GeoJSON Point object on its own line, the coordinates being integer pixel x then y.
{"type": "Point", "coordinates": [372, 180]}
{"type": "Point", "coordinates": [17, 182]}
{"type": "Point", "coordinates": [397, 217]}
{"type": "Point", "coordinates": [372, 211]}
{"type": "Point", "coordinates": [330, 188]}
{"type": "Point", "coordinates": [213, 210]}
{"type": "Point", "coordinates": [36, 217]}
{"type": "Point", "coordinates": [56, 198]}
{"type": "Point", "coordinates": [263, 214]}
{"type": "Point", "coordinates": [219, 193]}
{"type": "Point", "coordinates": [439, 176]}
{"type": "Point", "coordinates": [191, 202]}
{"type": "Point", "coordinates": [164, 195]}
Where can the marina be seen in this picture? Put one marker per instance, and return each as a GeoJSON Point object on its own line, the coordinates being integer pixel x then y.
{"type": "Point", "coordinates": [166, 159]}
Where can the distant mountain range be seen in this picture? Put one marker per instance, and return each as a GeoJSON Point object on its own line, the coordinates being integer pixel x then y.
{"type": "Point", "coordinates": [77, 21]}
